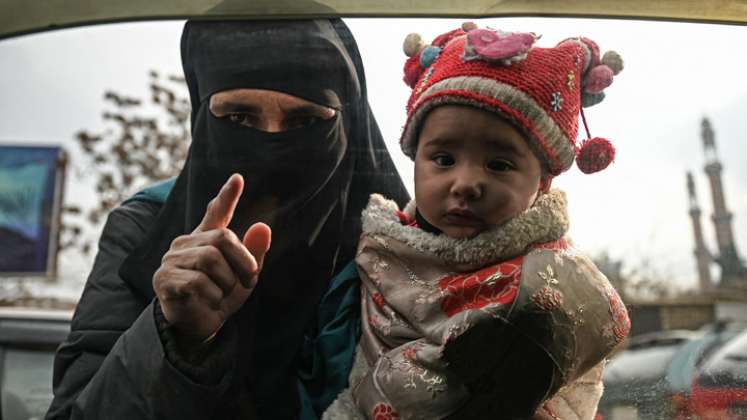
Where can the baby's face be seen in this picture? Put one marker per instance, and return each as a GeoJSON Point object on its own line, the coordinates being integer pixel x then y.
{"type": "Point", "coordinates": [473, 170]}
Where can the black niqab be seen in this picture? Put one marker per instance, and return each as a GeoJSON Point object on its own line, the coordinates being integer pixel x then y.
{"type": "Point", "coordinates": [309, 184]}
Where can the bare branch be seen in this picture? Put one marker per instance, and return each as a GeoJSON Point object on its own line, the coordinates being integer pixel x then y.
{"type": "Point", "coordinates": [141, 144]}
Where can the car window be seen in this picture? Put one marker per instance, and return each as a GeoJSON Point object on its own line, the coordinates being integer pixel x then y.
{"type": "Point", "coordinates": [684, 362]}
{"type": "Point", "coordinates": [26, 383]}
{"type": "Point", "coordinates": [641, 364]}
{"type": "Point", "coordinates": [691, 356]}
{"type": "Point", "coordinates": [138, 70]}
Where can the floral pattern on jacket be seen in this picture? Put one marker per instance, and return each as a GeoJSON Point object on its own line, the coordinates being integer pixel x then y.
{"type": "Point", "coordinates": [437, 310]}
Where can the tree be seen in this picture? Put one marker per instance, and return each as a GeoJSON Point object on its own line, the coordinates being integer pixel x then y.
{"type": "Point", "coordinates": [144, 141]}
{"type": "Point", "coordinates": [642, 282]}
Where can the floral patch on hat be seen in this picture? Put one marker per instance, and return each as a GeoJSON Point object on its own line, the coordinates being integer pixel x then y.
{"type": "Point", "coordinates": [496, 46]}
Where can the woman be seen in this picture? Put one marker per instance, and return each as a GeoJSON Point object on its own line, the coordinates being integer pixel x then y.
{"type": "Point", "coordinates": [284, 105]}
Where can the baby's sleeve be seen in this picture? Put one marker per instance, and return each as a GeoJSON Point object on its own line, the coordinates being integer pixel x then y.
{"type": "Point", "coordinates": [409, 381]}
{"type": "Point", "coordinates": [577, 400]}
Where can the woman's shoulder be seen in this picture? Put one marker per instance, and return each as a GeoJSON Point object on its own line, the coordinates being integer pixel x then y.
{"type": "Point", "coordinates": [126, 227]}
{"type": "Point", "coordinates": [138, 212]}
{"type": "Point", "coordinates": [157, 192]}
{"type": "Point", "coordinates": [129, 222]}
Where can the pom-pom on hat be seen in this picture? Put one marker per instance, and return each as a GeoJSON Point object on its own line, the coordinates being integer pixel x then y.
{"type": "Point", "coordinates": [541, 90]}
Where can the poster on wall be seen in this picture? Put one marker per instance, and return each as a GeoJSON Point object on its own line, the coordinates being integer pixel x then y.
{"type": "Point", "coordinates": [31, 183]}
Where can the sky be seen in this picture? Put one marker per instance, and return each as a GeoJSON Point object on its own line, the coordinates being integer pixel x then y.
{"type": "Point", "coordinates": [636, 210]}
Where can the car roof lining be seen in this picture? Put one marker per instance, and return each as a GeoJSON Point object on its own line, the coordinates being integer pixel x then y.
{"type": "Point", "coordinates": [19, 17]}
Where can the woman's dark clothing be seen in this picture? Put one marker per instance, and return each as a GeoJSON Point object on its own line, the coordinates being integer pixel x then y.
{"type": "Point", "coordinates": [309, 184]}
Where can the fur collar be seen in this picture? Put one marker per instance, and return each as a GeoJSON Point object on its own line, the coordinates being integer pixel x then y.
{"type": "Point", "coordinates": [545, 221]}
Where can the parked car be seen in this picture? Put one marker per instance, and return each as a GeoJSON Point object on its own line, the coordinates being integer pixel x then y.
{"type": "Point", "coordinates": [28, 340]}
{"type": "Point", "coordinates": [635, 379]}
{"type": "Point", "coordinates": [719, 390]}
{"type": "Point", "coordinates": [690, 357]}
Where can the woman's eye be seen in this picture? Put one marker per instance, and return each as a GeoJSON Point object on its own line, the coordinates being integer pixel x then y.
{"type": "Point", "coordinates": [299, 122]}
{"type": "Point", "coordinates": [443, 160]}
{"type": "Point", "coordinates": [243, 119]}
{"type": "Point", "coordinates": [500, 165]}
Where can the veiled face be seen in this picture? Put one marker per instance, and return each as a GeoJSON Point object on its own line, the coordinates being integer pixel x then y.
{"type": "Point", "coordinates": [267, 110]}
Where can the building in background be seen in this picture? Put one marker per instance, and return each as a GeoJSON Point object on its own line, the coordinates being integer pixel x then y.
{"type": "Point", "coordinates": [733, 273]}
{"type": "Point", "coordinates": [703, 258]}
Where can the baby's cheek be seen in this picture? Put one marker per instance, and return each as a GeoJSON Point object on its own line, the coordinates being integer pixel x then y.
{"type": "Point", "coordinates": [531, 200]}
{"type": "Point", "coordinates": [526, 195]}
{"type": "Point", "coordinates": [510, 204]}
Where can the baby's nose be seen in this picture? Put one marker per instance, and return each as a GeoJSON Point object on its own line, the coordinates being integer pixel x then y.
{"type": "Point", "coordinates": [468, 185]}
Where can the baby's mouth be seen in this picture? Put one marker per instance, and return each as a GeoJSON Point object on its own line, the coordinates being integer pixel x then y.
{"type": "Point", "coordinates": [463, 217]}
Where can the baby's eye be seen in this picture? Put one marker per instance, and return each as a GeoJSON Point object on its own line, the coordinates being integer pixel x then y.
{"type": "Point", "coordinates": [500, 165]}
{"type": "Point", "coordinates": [443, 160]}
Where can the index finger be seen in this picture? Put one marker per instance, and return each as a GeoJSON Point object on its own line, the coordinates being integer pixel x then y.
{"type": "Point", "coordinates": [220, 210]}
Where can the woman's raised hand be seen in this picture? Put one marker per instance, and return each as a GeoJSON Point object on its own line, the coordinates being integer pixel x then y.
{"type": "Point", "coordinates": [208, 274]}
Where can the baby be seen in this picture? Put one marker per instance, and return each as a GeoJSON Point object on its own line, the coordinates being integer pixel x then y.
{"type": "Point", "coordinates": [474, 302]}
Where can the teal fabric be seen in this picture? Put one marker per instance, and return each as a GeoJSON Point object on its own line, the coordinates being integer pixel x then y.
{"type": "Point", "coordinates": [155, 193]}
{"type": "Point", "coordinates": [329, 348]}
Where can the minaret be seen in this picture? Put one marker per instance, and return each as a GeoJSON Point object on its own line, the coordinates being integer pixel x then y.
{"type": "Point", "coordinates": [731, 267]}
{"type": "Point", "coordinates": [702, 256]}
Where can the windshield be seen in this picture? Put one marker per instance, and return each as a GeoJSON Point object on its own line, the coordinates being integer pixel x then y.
{"type": "Point", "coordinates": [97, 116]}
{"type": "Point", "coordinates": [62, 83]}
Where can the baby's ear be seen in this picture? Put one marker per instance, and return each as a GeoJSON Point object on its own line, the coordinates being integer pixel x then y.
{"type": "Point", "coordinates": [545, 183]}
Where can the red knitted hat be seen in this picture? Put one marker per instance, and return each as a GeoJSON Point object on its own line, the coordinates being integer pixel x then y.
{"type": "Point", "coordinates": [540, 90]}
